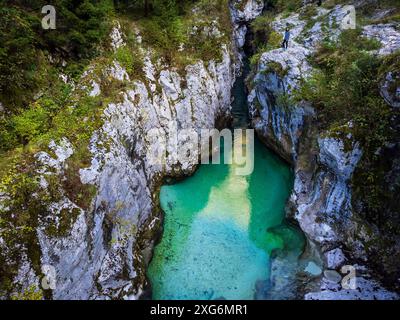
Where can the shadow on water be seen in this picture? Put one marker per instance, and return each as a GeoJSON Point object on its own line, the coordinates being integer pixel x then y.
{"type": "Point", "coordinates": [225, 236]}
{"type": "Point", "coordinates": [220, 231]}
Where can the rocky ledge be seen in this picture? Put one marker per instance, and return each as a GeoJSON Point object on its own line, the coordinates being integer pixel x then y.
{"type": "Point", "coordinates": [105, 251]}
{"type": "Point", "coordinates": [321, 199]}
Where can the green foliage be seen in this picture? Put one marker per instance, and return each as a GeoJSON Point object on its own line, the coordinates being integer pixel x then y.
{"type": "Point", "coordinates": [30, 123]}
{"type": "Point", "coordinates": [19, 215]}
{"type": "Point", "coordinates": [166, 27]}
{"type": "Point", "coordinates": [177, 30]}
{"type": "Point", "coordinates": [340, 64]}
{"type": "Point", "coordinates": [80, 27]}
{"type": "Point", "coordinates": [277, 68]}
{"type": "Point", "coordinates": [345, 91]}
{"type": "Point", "coordinates": [18, 55]}
{"type": "Point", "coordinates": [265, 37]}
{"type": "Point", "coordinates": [27, 124]}
{"type": "Point", "coordinates": [285, 5]}
{"type": "Point", "coordinates": [131, 59]}
{"type": "Point", "coordinates": [254, 59]}
{"type": "Point", "coordinates": [284, 101]}
{"type": "Point", "coordinates": [262, 29]}
{"type": "Point", "coordinates": [308, 12]}
{"type": "Point", "coordinates": [31, 293]}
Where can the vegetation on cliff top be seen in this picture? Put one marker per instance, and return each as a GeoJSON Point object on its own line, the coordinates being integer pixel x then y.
{"type": "Point", "coordinates": [344, 88]}
{"type": "Point", "coordinates": [38, 106]}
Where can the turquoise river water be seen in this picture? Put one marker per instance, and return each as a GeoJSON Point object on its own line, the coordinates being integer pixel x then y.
{"type": "Point", "coordinates": [221, 230]}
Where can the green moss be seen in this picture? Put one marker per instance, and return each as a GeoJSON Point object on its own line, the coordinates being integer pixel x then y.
{"type": "Point", "coordinates": [31, 293]}
{"type": "Point", "coordinates": [344, 89]}
{"type": "Point", "coordinates": [277, 68]}
{"type": "Point", "coordinates": [19, 216]}
{"type": "Point", "coordinates": [284, 101]}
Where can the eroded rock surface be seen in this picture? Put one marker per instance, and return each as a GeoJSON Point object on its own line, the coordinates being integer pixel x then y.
{"type": "Point", "coordinates": [104, 253]}
{"type": "Point", "coordinates": [321, 199]}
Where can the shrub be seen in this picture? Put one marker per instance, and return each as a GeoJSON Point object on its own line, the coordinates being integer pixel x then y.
{"type": "Point", "coordinates": [131, 59]}
{"type": "Point", "coordinates": [345, 90]}
{"type": "Point", "coordinates": [30, 123]}
{"type": "Point", "coordinates": [80, 28]}
{"type": "Point", "coordinates": [31, 293]}
{"type": "Point", "coordinates": [285, 5]}
{"type": "Point", "coordinates": [262, 28]}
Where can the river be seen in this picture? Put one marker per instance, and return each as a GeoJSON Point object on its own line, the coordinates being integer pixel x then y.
{"type": "Point", "coordinates": [221, 230]}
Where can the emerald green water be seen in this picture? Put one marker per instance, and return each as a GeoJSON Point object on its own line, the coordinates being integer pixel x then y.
{"type": "Point", "coordinates": [220, 230]}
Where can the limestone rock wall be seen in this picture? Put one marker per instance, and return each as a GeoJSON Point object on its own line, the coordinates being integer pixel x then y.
{"type": "Point", "coordinates": [321, 199]}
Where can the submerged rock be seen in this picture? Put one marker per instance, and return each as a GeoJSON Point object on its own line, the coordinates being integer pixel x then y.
{"type": "Point", "coordinates": [313, 269]}
{"type": "Point", "coordinates": [332, 276]}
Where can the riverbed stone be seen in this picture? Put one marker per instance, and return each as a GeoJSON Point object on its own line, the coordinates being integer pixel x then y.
{"type": "Point", "coordinates": [313, 269]}
{"type": "Point", "coordinates": [366, 289]}
{"type": "Point", "coordinates": [335, 258]}
{"type": "Point", "coordinates": [332, 276]}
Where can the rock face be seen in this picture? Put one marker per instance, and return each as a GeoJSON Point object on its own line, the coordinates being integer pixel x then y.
{"type": "Point", "coordinates": [321, 199]}
{"type": "Point", "coordinates": [386, 34]}
{"type": "Point", "coordinates": [105, 252]}
{"type": "Point", "coordinates": [279, 73]}
{"type": "Point", "coordinates": [268, 108]}
{"type": "Point", "coordinates": [125, 210]}
{"type": "Point", "coordinates": [390, 89]}
{"type": "Point", "coordinates": [389, 37]}
{"type": "Point", "coordinates": [243, 12]}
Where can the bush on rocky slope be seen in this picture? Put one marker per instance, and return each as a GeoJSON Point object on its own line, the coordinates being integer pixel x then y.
{"type": "Point", "coordinates": [345, 89]}
{"type": "Point", "coordinates": [23, 64]}
{"type": "Point", "coordinates": [68, 108]}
